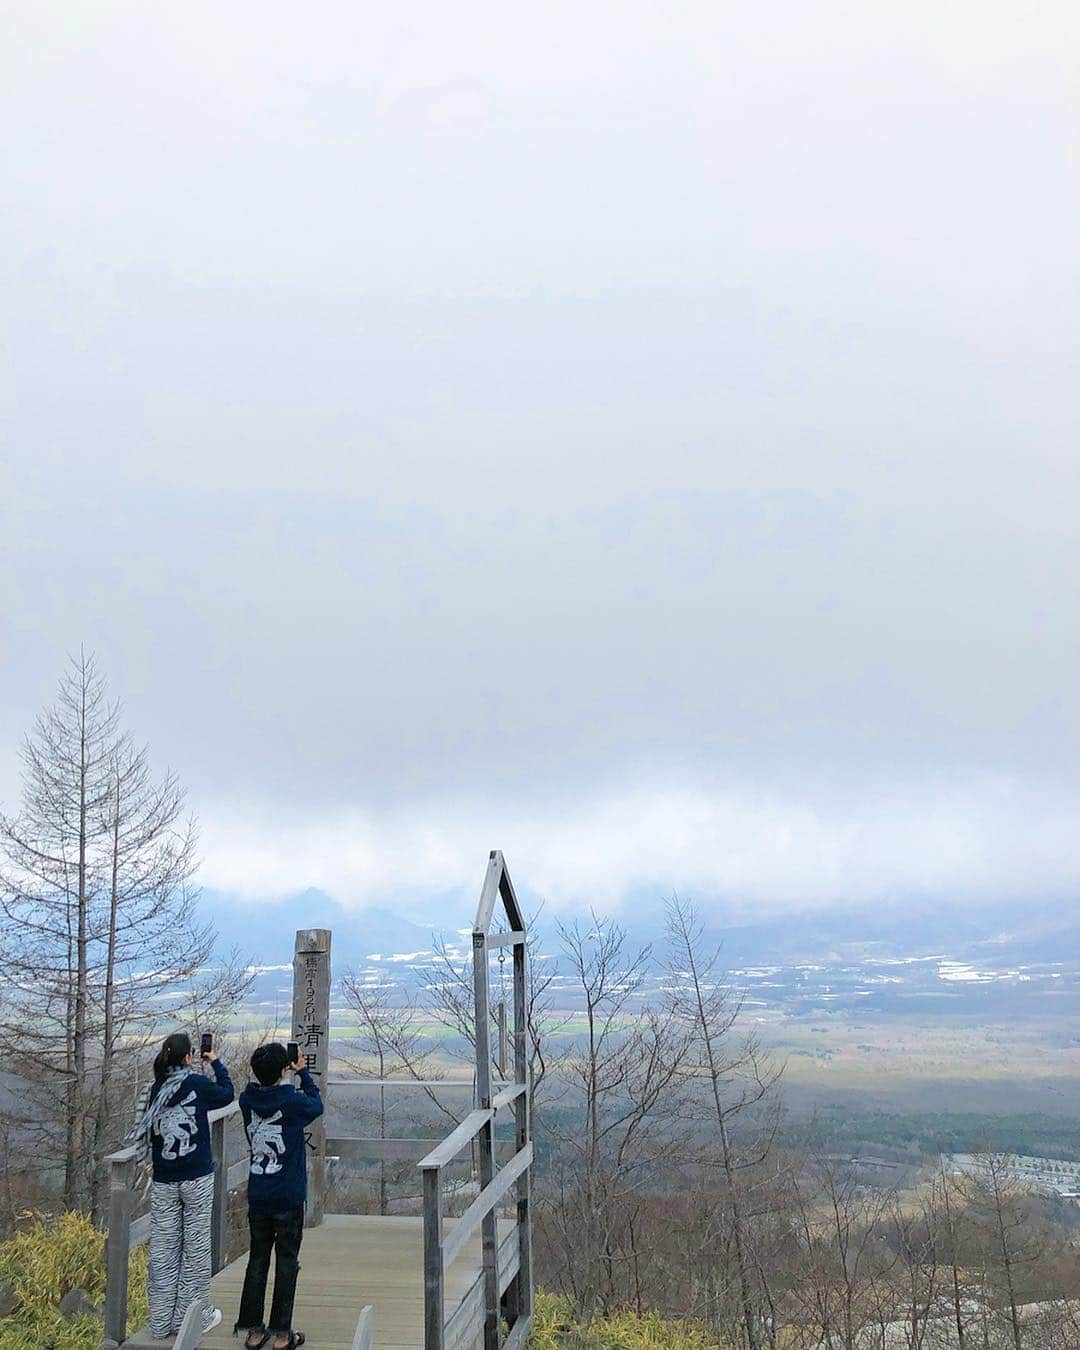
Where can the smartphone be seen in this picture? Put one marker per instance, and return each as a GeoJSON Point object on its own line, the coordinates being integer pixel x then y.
{"type": "Point", "coordinates": [294, 1052]}
{"type": "Point", "coordinates": [206, 1045]}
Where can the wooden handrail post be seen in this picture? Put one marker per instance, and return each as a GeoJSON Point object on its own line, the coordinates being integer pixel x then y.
{"type": "Point", "coordinates": [190, 1333]}
{"type": "Point", "coordinates": [434, 1305]}
{"type": "Point", "coordinates": [524, 1130]}
{"type": "Point", "coordinates": [121, 1176]}
{"type": "Point", "coordinates": [519, 1294]}
{"type": "Point", "coordinates": [485, 1140]}
{"type": "Point", "coordinates": [219, 1220]}
{"type": "Point", "coordinates": [364, 1335]}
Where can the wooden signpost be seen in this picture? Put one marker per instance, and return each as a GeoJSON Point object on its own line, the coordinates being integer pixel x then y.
{"type": "Point", "coordinates": [311, 1031]}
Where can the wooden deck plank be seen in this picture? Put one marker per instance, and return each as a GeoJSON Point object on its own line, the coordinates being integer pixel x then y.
{"type": "Point", "coordinates": [347, 1262]}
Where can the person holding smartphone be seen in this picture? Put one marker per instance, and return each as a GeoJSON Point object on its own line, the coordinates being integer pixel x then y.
{"type": "Point", "coordinates": [275, 1116]}
{"type": "Point", "coordinates": [174, 1133]}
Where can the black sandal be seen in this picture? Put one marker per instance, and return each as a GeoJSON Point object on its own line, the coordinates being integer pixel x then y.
{"type": "Point", "coordinates": [262, 1334]}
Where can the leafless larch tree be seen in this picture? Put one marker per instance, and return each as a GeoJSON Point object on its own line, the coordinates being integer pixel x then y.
{"type": "Point", "coordinates": [103, 943]}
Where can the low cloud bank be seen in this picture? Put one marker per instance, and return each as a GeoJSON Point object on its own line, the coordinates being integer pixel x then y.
{"type": "Point", "coordinates": [989, 840]}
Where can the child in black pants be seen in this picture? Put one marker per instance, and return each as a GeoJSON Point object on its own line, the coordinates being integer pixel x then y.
{"type": "Point", "coordinates": [275, 1115]}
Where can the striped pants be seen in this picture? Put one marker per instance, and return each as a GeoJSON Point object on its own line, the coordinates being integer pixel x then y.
{"type": "Point", "coordinates": [179, 1250]}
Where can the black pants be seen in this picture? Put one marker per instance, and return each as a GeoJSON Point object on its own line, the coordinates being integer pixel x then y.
{"type": "Point", "coordinates": [281, 1233]}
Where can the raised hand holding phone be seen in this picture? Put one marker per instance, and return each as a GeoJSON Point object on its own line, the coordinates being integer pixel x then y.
{"type": "Point", "coordinates": [206, 1046]}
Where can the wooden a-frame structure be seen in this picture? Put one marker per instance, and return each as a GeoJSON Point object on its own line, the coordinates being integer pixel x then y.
{"type": "Point", "coordinates": [516, 1305]}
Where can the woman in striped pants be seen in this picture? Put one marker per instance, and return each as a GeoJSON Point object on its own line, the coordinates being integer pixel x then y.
{"type": "Point", "coordinates": [174, 1131]}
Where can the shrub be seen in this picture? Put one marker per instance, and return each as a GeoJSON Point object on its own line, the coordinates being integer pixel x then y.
{"type": "Point", "coordinates": [44, 1262]}
{"type": "Point", "coordinates": [552, 1318]}
{"type": "Point", "coordinates": [554, 1328]}
{"type": "Point", "coordinates": [629, 1331]}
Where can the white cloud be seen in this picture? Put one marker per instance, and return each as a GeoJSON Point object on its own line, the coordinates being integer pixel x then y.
{"type": "Point", "coordinates": [984, 839]}
{"type": "Point", "coordinates": [519, 400]}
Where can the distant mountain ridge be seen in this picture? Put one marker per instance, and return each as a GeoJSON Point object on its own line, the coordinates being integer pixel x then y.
{"type": "Point", "coordinates": [265, 930]}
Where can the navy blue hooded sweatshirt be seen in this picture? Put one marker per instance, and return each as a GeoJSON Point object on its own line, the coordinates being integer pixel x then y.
{"type": "Point", "coordinates": [275, 1119]}
{"type": "Point", "coordinates": [180, 1144]}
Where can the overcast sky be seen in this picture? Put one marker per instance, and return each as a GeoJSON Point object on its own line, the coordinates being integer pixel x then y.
{"type": "Point", "coordinates": [643, 438]}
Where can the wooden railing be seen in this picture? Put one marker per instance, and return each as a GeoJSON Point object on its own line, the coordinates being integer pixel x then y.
{"type": "Point", "coordinates": [485, 1305]}
{"type": "Point", "coordinates": [127, 1233]}
{"type": "Point", "coordinates": [442, 1245]}
{"type": "Point", "coordinates": [352, 1148]}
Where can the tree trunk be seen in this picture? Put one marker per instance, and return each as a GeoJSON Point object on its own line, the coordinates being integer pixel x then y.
{"type": "Point", "coordinates": [382, 1132]}
{"type": "Point", "coordinates": [77, 1187]}
{"type": "Point", "coordinates": [957, 1300]}
{"type": "Point", "coordinates": [1006, 1258]}
{"type": "Point", "coordinates": [71, 1098]}
{"type": "Point", "coordinates": [108, 1049]}
{"type": "Point", "coordinates": [738, 1230]}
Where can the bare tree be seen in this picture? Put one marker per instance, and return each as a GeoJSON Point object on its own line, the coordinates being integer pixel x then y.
{"type": "Point", "coordinates": [100, 929]}
{"type": "Point", "coordinates": [740, 1079]}
{"type": "Point", "coordinates": [952, 1235]}
{"type": "Point", "coordinates": [914, 1235]}
{"type": "Point", "coordinates": [389, 1036]}
{"type": "Point", "coordinates": [842, 1259]}
{"type": "Point", "coordinates": [1009, 1242]}
{"type": "Point", "coordinates": [48, 887]}
{"type": "Point", "coordinates": [450, 1001]}
{"type": "Point", "coordinates": [623, 1119]}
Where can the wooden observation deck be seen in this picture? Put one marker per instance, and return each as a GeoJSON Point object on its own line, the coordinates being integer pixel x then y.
{"type": "Point", "coordinates": [429, 1281]}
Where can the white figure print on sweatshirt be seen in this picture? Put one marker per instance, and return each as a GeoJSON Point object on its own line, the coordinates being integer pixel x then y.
{"type": "Point", "coordinates": [176, 1126]}
{"type": "Point", "coordinates": [267, 1144]}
